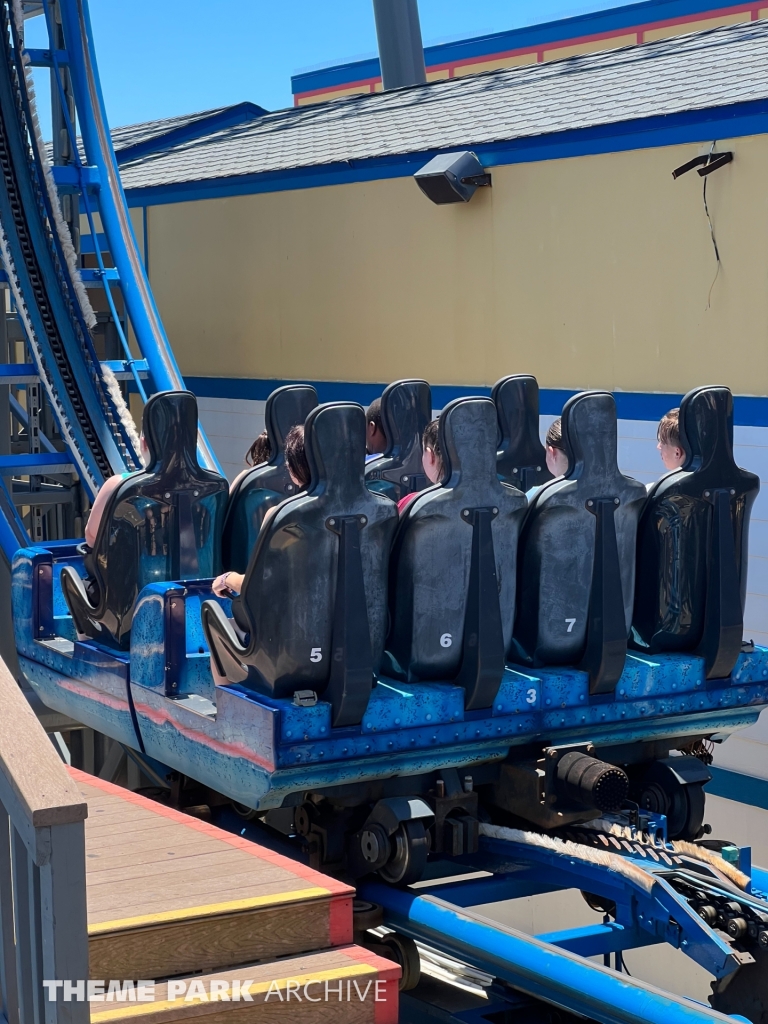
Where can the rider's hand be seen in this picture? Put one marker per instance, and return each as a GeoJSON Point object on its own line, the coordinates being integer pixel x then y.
{"type": "Point", "coordinates": [227, 584]}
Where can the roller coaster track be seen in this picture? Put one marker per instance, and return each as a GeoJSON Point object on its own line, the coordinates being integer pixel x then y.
{"type": "Point", "coordinates": [44, 296]}
{"type": "Point", "coordinates": [49, 296]}
{"type": "Point", "coordinates": [40, 263]}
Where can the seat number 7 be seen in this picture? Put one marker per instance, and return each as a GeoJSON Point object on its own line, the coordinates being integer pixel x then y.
{"type": "Point", "coordinates": [571, 624]}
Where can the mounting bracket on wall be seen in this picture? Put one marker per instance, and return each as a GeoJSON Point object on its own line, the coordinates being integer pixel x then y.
{"type": "Point", "coordinates": [452, 177]}
{"type": "Point", "coordinates": [706, 163]}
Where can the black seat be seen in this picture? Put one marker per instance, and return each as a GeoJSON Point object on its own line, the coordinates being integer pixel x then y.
{"type": "Point", "coordinates": [314, 597]}
{"type": "Point", "coordinates": [692, 544]}
{"type": "Point", "coordinates": [577, 553]}
{"type": "Point", "coordinates": [521, 459]}
{"type": "Point", "coordinates": [406, 409]}
{"type": "Point", "coordinates": [453, 567]}
{"type": "Point", "coordinates": [162, 523]}
{"type": "Point", "coordinates": [268, 484]}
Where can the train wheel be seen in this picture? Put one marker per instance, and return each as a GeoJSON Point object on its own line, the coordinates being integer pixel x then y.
{"type": "Point", "coordinates": [404, 952]}
{"type": "Point", "coordinates": [366, 915]}
{"type": "Point", "coordinates": [746, 993]}
{"type": "Point", "coordinates": [683, 805]}
{"type": "Point", "coordinates": [601, 904]}
{"type": "Point", "coordinates": [246, 813]}
{"type": "Point", "coordinates": [408, 857]}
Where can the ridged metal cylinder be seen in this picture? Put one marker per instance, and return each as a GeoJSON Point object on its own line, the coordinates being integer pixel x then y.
{"type": "Point", "coordinates": [590, 782]}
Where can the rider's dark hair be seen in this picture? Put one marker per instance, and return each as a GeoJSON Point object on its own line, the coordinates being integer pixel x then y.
{"type": "Point", "coordinates": [295, 455]}
{"type": "Point", "coordinates": [260, 451]}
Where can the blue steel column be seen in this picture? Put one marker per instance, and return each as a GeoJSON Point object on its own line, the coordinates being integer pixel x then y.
{"type": "Point", "coordinates": [117, 225]}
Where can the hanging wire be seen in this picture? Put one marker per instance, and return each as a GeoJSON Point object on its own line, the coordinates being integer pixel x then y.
{"type": "Point", "coordinates": [711, 227]}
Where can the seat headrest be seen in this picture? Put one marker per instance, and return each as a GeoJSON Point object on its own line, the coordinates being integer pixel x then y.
{"type": "Point", "coordinates": [169, 425]}
{"type": "Point", "coordinates": [467, 437]}
{"type": "Point", "coordinates": [706, 427]}
{"type": "Point", "coordinates": [406, 409]}
{"type": "Point", "coordinates": [517, 406]}
{"type": "Point", "coordinates": [286, 407]}
{"type": "Point", "coordinates": [334, 443]}
{"type": "Point", "coordinates": [590, 435]}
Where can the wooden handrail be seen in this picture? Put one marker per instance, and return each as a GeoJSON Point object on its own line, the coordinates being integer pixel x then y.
{"type": "Point", "coordinates": [43, 920]}
{"type": "Point", "coordinates": [35, 786]}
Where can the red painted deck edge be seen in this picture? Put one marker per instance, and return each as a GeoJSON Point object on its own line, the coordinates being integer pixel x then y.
{"type": "Point", "coordinates": [334, 887]}
{"type": "Point", "coordinates": [386, 1011]}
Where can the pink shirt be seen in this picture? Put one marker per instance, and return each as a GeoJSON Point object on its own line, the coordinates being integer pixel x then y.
{"type": "Point", "coordinates": [99, 504]}
{"type": "Point", "coordinates": [403, 504]}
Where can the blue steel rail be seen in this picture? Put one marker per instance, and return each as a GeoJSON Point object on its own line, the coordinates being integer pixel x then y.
{"type": "Point", "coordinates": [258, 751]}
{"type": "Point", "coordinates": [112, 207]}
{"type": "Point", "coordinates": [538, 968]}
{"type": "Point", "coordinates": [39, 261]}
{"type": "Point", "coordinates": [658, 899]}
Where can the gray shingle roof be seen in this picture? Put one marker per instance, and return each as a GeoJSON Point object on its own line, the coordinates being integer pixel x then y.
{"type": "Point", "coordinates": [699, 71]}
{"type": "Point", "coordinates": [132, 134]}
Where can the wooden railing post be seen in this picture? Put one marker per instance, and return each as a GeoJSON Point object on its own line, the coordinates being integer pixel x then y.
{"type": "Point", "coordinates": [43, 925]}
{"type": "Point", "coordinates": [62, 889]}
{"type": "Point", "coordinates": [9, 989]}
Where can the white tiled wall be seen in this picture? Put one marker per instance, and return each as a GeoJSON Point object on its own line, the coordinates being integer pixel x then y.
{"type": "Point", "coordinates": [232, 424]}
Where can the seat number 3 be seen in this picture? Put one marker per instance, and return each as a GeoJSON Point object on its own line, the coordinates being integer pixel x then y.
{"type": "Point", "coordinates": [571, 624]}
{"type": "Point", "coordinates": [316, 654]}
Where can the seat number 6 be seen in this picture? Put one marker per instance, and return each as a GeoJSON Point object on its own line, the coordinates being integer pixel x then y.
{"type": "Point", "coordinates": [446, 640]}
{"type": "Point", "coordinates": [316, 654]}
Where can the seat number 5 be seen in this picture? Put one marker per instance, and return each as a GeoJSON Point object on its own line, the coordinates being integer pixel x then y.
{"type": "Point", "coordinates": [316, 654]}
{"type": "Point", "coordinates": [446, 640]}
{"type": "Point", "coordinates": [571, 624]}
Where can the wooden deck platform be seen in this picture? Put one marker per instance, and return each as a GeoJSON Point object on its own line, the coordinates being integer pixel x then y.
{"type": "Point", "coordinates": [335, 987]}
{"type": "Point", "coordinates": [169, 895]}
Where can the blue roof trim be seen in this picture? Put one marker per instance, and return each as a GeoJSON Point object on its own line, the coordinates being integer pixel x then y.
{"type": "Point", "coordinates": [748, 411]}
{"type": "Point", "coordinates": [737, 120]}
{"type": "Point", "coordinates": [340, 74]}
{"type": "Point", "coordinates": [613, 19]}
{"type": "Point", "coordinates": [239, 113]}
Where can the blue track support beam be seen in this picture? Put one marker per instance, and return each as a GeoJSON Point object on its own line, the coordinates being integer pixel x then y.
{"type": "Point", "coordinates": [91, 275]}
{"type": "Point", "coordinates": [40, 465]}
{"type": "Point", "coordinates": [18, 373]}
{"type": "Point", "coordinates": [477, 891]}
{"type": "Point", "coordinates": [117, 225]}
{"type": "Point", "coordinates": [44, 58]}
{"type": "Point", "coordinates": [537, 968]}
{"type": "Point", "coordinates": [74, 178]}
{"type": "Point", "coordinates": [122, 371]}
{"type": "Point", "coordinates": [594, 939]}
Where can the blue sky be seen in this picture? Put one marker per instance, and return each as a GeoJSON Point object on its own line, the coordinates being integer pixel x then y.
{"type": "Point", "coordinates": [158, 58]}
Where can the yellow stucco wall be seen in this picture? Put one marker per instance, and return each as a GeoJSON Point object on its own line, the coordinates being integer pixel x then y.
{"type": "Point", "coordinates": [588, 272]}
{"type": "Point", "coordinates": [517, 60]}
{"type": "Point", "coordinates": [666, 31]}
{"type": "Point", "coordinates": [592, 46]}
